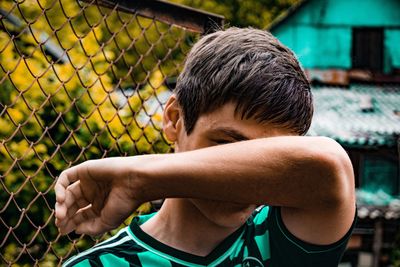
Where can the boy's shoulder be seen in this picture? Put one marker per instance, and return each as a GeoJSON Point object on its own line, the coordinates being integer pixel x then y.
{"type": "Point", "coordinates": [118, 250]}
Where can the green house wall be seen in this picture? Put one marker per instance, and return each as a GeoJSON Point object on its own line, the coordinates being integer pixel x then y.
{"type": "Point", "coordinates": [320, 31]}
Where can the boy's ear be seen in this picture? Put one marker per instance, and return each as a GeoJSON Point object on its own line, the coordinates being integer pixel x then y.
{"type": "Point", "coordinates": [172, 119]}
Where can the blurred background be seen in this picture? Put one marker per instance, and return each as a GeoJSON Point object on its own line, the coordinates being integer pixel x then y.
{"type": "Point", "coordinates": [88, 79]}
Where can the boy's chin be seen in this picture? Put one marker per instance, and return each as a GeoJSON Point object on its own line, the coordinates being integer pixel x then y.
{"type": "Point", "coordinates": [224, 214]}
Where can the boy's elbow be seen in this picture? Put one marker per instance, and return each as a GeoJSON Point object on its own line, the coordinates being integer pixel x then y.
{"type": "Point", "coordinates": [336, 164]}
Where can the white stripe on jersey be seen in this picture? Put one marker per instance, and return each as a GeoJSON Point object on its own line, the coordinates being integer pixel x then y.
{"type": "Point", "coordinates": [99, 246]}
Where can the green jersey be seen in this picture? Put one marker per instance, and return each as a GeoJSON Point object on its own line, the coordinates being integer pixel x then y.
{"type": "Point", "coordinates": [262, 241]}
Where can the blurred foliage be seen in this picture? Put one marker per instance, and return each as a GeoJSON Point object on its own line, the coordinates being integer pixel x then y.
{"type": "Point", "coordinates": [239, 13]}
{"type": "Point", "coordinates": [96, 100]}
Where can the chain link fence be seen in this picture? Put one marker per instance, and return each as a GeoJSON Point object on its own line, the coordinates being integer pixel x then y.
{"type": "Point", "coordinates": [78, 80]}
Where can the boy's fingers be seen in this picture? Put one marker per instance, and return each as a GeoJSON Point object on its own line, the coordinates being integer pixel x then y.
{"type": "Point", "coordinates": [64, 180]}
{"type": "Point", "coordinates": [60, 192]}
{"type": "Point", "coordinates": [82, 216]}
{"type": "Point", "coordinates": [63, 210]}
{"type": "Point", "coordinates": [64, 215]}
{"type": "Point", "coordinates": [69, 199]}
{"type": "Point", "coordinates": [74, 196]}
{"type": "Point", "coordinates": [98, 223]}
{"type": "Point", "coordinates": [69, 216]}
{"type": "Point", "coordinates": [78, 205]}
{"type": "Point", "coordinates": [60, 211]}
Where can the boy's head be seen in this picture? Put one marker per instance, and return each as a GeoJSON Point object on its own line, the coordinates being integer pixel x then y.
{"type": "Point", "coordinates": [238, 84]}
{"type": "Point", "coordinates": [251, 69]}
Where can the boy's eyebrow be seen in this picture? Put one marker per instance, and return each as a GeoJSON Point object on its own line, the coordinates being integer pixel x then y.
{"type": "Point", "coordinates": [235, 134]}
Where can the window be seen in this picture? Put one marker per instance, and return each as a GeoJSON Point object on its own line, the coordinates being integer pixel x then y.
{"type": "Point", "coordinates": [368, 49]}
{"type": "Point", "coordinates": [376, 169]}
{"type": "Point", "coordinates": [381, 173]}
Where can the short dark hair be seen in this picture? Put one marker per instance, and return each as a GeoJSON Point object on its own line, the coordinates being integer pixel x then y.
{"type": "Point", "coordinates": [251, 68]}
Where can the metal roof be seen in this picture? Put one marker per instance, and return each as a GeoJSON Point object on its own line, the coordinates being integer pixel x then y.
{"type": "Point", "coordinates": [377, 204]}
{"type": "Point", "coordinates": [376, 212]}
{"type": "Point", "coordinates": [358, 116]}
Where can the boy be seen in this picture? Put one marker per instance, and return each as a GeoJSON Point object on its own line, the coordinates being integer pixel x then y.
{"type": "Point", "coordinates": [244, 188]}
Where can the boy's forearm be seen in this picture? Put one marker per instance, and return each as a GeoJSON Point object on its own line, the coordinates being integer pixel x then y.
{"type": "Point", "coordinates": [283, 171]}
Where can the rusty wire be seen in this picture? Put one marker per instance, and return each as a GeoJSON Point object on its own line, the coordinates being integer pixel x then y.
{"type": "Point", "coordinates": [77, 81]}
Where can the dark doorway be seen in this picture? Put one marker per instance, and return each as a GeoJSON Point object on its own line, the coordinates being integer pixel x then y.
{"type": "Point", "coordinates": [368, 49]}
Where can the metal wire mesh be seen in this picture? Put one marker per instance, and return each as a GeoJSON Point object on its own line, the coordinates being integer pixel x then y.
{"type": "Point", "coordinates": [77, 81]}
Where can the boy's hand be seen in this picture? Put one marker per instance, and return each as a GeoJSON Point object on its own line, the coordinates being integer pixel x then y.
{"type": "Point", "coordinates": [95, 196]}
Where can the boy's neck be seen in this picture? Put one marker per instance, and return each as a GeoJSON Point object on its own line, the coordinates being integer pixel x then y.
{"type": "Point", "coordinates": [179, 224]}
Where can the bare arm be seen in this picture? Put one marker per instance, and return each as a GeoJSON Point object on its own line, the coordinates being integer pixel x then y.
{"type": "Point", "coordinates": [311, 177]}
{"type": "Point", "coordinates": [293, 172]}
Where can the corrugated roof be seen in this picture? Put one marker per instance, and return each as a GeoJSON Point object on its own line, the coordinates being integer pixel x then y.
{"type": "Point", "coordinates": [377, 204]}
{"type": "Point", "coordinates": [360, 116]}
{"type": "Point", "coordinates": [391, 212]}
